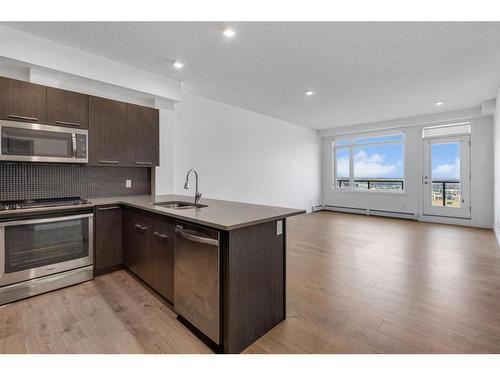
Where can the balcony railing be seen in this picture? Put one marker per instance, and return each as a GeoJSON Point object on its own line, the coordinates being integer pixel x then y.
{"type": "Point", "coordinates": [372, 184]}
{"type": "Point", "coordinates": [446, 193]}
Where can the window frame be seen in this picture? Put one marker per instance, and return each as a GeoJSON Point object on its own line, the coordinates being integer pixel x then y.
{"type": "Point", "coordinates": [351, 145]}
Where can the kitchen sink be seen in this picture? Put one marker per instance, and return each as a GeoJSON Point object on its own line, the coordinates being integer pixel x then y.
{"type": "Point", "coordinates": [178, 205]}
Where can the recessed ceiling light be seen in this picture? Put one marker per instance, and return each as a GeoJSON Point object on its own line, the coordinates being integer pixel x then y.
{"type": "Point", "coordinates": [439, 103]}
{"type": "Point", "coordinates": [309, 92]}
{"type": "Point", "coordinates": [177, 64]}
{"type": "Point", "coordinates": [229, 32]}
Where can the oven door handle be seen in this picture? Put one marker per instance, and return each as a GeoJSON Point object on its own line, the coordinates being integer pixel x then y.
{"type": "Point", "coordinates": [44, 220]}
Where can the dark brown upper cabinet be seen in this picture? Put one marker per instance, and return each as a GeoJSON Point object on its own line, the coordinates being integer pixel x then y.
{"type": "Point", "coordinates": [120, 134]}
{"type": "Point", "coordinates": [67, 108]}
{"type": "Point", "coordinates": [22, 101]}
{"type": "Point", "coordinates": [107, 132]}
{"type": "Point", "coordinates": [142, 138]}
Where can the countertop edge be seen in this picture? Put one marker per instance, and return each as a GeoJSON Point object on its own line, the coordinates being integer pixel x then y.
{"type": "Point", "coordinates": [202, 222]}
{"type": "Point", "coordinates": [124, 202]}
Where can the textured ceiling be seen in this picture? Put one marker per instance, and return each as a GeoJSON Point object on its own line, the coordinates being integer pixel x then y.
{"type": "Point", "coordinates": [361, 72]}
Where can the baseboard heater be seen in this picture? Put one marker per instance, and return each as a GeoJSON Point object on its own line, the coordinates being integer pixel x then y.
{"type": "Point", "coordinates": [367, 211]}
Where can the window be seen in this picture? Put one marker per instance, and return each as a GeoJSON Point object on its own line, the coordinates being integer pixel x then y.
{"type": "Point", "coordinates": [369, 162]}
{"type": "Point", "coordinates": [446, 130]}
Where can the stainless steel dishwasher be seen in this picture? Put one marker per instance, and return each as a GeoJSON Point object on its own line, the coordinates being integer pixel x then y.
{"type": "Point", "coordinates": [196, 278]}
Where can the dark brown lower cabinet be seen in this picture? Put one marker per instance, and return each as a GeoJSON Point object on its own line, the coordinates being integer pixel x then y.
{"type": "Point", "coordinates": [161, 255]}
{"type": "Point", "coordinates": [108, 239]}
{"type": "Point", "coordinates": [149, 250]}
{"type": "Point", "coordinates": [252, 263]}
{"type": "Point", "coordinates": [254, 283]}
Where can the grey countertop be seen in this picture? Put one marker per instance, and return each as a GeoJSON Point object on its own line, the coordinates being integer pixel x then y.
{"type": "Point", "coordinates": [220, 214]}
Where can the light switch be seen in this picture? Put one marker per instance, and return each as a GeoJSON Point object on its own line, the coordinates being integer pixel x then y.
{"type": "Point", "coordinates": [279, 227]}
{"type": "Point", "coordinates": [128, 183]}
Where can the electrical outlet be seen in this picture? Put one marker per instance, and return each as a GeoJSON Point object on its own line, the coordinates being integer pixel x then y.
{"type": "Point", "coordinates": [128, 183]}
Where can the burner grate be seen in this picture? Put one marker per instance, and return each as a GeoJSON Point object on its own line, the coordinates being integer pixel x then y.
{"type": "Point", "coordinates": [39, 203]}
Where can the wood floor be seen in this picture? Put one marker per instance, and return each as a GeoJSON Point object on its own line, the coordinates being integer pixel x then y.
{"type": "Point", "coordinates": [356, 284]}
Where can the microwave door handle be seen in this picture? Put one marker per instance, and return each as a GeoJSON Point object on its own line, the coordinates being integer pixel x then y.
{"type": "Point", "coordinates": [73, 142]}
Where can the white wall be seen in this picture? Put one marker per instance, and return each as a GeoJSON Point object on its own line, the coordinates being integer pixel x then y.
{"type": "Point", "coordinates": [482, 172]}
{"type": "Point", "coordinates": [497, 167]}
{"type": "Point", "coordinates": [245, 156]}
{"type": "Point", "coordinates": [411, 200]}
{"type": "Point", "coordinates": [164, 174]}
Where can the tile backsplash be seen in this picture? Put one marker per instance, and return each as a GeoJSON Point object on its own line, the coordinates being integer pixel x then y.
{"type": "Point", "coordinates": [30, 181]}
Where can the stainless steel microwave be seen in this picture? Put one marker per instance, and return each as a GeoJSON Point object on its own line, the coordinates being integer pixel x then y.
{"type": "Point", "coordinates": [23, 141]}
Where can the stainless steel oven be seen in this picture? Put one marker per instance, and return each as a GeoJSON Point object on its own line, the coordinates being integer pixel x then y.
{"type": "Point", "coordinates": [42, 143]}
{"type": "Point", "coordinates": [40, 254]}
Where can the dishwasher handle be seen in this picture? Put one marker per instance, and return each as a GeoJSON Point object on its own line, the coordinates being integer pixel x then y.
{"type": "Point", "coordinates": [192, 237]}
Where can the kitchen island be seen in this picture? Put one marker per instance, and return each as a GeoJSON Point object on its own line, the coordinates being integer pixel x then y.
{"type": "Point", "coordinates": [220, 265]}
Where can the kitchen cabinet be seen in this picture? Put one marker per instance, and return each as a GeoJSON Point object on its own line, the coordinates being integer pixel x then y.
{"type": "Point", "coordinates": [22, 101]}
{"type": "Point", "coordinates": [122, 134]}
{"type": "Point", "coordinates": [107, 128]}
{"type": "Point", "coordinates": [160, 263]}
{"type": "Point", "coordinates": [135, 228]}
{"type": "Point", "coordinates": [67, 108]}
{"type": "Point", "coordinates": [142, 138]}
{"type": "Point", "coordinates": [230, 275]}
{"type": "Point", "coordinates": [149, 250]}
{"type": "Point", "coordinates": [108, 239]}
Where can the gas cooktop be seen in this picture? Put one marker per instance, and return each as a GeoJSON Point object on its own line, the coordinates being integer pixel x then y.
{"type": "Point", "coordinates": [41, 203]}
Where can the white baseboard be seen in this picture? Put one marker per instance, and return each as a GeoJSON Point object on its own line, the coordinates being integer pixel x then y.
{"type": "Point", "coordinates": [370, 212]}
{"type": "Point", "coordinates": [408, 215]}
{"type": "Point", "coordinates": [497, 234]}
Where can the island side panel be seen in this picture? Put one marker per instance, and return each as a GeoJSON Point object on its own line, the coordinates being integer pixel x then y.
{"type": "Point", "coordinates": [253, 284]}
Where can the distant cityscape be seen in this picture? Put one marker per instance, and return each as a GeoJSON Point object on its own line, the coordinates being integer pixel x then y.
{"type": "Point", "coordinates": [449, 189]}
{"type": "Point", "coordinates": [372, 184]}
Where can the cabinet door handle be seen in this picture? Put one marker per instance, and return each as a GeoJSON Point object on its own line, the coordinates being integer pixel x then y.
{"type": "Point", "coordinates": [23, 117]}
{"type": "Point", "coordinates": [140, 227]}
{"type": "Point", "coordinates": [108, 161]}
{"type": "Point", "coordinates": [159, 235]}
{"type": "Point", "coordinates": [143, 163]}
{"type": "Point", "coordinates": [107, 208]}
{"type": "Point", "coordinates": [68, 123]}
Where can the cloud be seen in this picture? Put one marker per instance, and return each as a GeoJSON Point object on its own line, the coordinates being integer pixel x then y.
{"type": "Point", "coordinates": [443, 171]}
{"type": "Point", "coordinates": [343, 167]}
{"type": "Point", "coordinates": [373, 166]}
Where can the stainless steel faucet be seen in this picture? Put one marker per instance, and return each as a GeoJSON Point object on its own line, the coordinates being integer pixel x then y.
{"type": "Point", "coordinates": [197, 195]}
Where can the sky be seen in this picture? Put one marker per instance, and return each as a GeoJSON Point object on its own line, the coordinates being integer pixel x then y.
{"type": "Point", "coordinates": [445, 161]}
{"type": "Point", "coordinates": [386, 161]}
{"type": "Point", "coordinates": [375, 161]}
